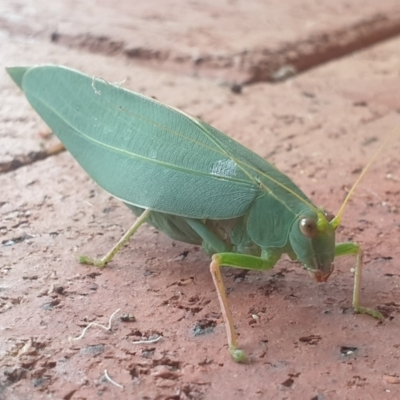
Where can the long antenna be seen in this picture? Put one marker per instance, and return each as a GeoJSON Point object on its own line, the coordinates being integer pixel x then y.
{"type": "Point", "coordinates": [336, 220]}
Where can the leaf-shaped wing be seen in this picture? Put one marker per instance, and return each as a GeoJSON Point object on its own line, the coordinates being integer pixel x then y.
{"type": "Point", "coordinates": [137, 149]}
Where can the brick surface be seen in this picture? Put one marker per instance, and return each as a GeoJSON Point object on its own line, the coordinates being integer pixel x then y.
{"type": "Point", "coordinates": [234, 40]}
{"type": "Point", "coordinates": [320, 128]}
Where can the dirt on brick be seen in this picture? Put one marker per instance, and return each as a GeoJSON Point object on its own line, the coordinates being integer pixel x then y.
{"type": "Point", "coordinates": [302, 339]}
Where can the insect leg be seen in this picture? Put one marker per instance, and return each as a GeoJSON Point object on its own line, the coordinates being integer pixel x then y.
{"type": "Point", "coordinates": [101, 262]}
{"type": "Point", "coordinates": [236, 261]}
{"type": "Point", "coordinates": [217, 244]}
{"type": "Point", "coordinates": [349, 248]}
{"type": "Point", "coordinates": [224, 258]}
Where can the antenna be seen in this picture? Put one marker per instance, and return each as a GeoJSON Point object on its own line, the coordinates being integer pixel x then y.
{"type": "Point", "coordinates": [336, 221]}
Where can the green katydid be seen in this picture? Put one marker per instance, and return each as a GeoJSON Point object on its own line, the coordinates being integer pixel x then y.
{"type": "Point", "coordinates": [188, 180]}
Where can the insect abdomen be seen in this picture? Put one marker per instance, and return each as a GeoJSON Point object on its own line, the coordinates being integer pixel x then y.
{"type": "Point", "coordinates": [173, 226]}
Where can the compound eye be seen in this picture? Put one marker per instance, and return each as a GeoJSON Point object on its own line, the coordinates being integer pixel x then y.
{"type": "Point", "coordinates": [329, 216]}
{"type": "Point", "coordinates": [308, 227]}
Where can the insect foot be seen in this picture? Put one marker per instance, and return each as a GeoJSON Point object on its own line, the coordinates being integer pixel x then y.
{"type": "Point", "coordinates": [97, 262]}
{"type": "Point", "coordinates": [369, 311]}
{"type": "Point", "coordinates": [238, 355]}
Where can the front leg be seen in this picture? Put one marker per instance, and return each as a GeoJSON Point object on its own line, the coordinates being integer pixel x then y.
{"type": "Point", "coordinates": [243, 261]}
{"type": "Point", "coordinates": [349, 248]}
{"type": "Point", "coordinates": [224, 257]}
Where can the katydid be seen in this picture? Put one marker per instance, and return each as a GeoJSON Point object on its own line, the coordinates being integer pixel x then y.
{"type": "Point", "coordinates": [188, 180]}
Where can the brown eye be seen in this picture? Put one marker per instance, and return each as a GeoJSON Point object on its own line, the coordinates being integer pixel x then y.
{"type": "Point", "coordinates": [308, 227]}
{"type": "Point", "coordinates": [329, 216]}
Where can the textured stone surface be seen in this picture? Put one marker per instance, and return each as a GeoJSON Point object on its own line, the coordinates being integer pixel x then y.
{"type": "Point", "coordinates": [321, 128]}
{"type": "Point", "coordinates": [231, 40]}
